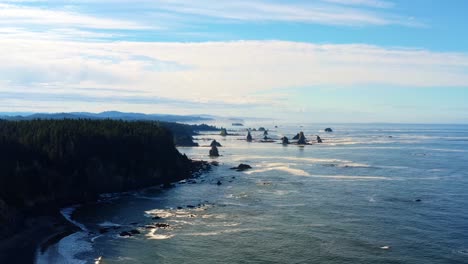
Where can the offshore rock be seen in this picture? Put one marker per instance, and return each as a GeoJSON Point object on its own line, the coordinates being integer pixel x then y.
{"type": "Point", "coordinates": [249, 137]}
{"type": "Point", "coordinates": [215, 143]}
{"type": "Point", "coordinates": [302, 139]}
{"type": "Point", "coordinates": [214, 152]}
{"type": "Point", "coordinates": [319, 140]}
{"type": "Point", "coordinates": [242, 167]}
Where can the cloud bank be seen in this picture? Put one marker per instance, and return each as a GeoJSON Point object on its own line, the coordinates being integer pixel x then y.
{"type": "Point", "coordinates": [233, 73]}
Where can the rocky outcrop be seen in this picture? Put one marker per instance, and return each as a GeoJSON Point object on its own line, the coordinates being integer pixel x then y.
{"type": "Point", "coordinates": [249, 137]}
{"type": "Point", "coordinates": [215, 143]}
{"type": "Point", "coordinates": [302, 139]}
{"type": "Point", "coordinates": [242, 167]}
{"type": "Point", "coordinates": [328, 129]}
{"type": "Point", "coordinates": [223, 132]}
{"type": "Point", "coordinates": [285, 140]}
{"type": "Point", "coordinates": [319, 140]}
{"type": "Point", "coordinates": [296, 137]}
{"type": "Point", "coordinates": [214, 152]}
{"type": "Point", "coordinates": [261, 129]}
{"type": "Point", "coordinates": [265, 133]}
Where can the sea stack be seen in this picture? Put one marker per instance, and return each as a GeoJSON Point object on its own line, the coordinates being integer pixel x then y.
{"type": "Point", "coordinates": [215, 143]}
{"type": "Point", "coordinates": [319, 140]}
{"type": "Point", "coordinates": [223, 132]}
{"type": "Point", "coordinates": [302, 139]}
{"type": "Point", "coordinates": [328, 129]}
{"type": "Point", "coordinates": [214, 151]}
{"type": "Point", "coordinates": [285, 140]}
{"type": "Point", "coordinates": [249, 137]}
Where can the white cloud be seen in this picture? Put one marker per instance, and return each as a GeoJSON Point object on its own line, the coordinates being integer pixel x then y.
{"type": "Point", "coordinates": [230, 72]}
{"type": "Point", "coordinates": [16, 16]}
{"type": "Point", "coordinates": [306, 12]}
{"type": "Point", "coordinates": [328, 12]}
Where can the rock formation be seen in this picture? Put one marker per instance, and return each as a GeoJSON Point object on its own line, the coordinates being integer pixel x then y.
{"type": "Point", "coordinates": [328, 129]}
{"type": "Point", "coordinates": [224, 132]}
{"type": "Point", "coordinates": [285, 140]}
{"type": "Point", "coordinates": [249, 137]}
{"type": "Point", "coordinates": [319, 140]}
{"type": "Point", "coordinates": [241, 167]}
{"type": "Point", "coordinates": [215, 143]}
{"type": "Point", "coordinates": [214, 152]}
{"type": "Point", "coordinates": [302, 139]}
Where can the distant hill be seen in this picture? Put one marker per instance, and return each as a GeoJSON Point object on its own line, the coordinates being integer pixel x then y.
{"type": "Point", "coordinates": [107, 115]}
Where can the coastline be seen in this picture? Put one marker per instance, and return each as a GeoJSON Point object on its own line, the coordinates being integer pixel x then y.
{"type": "Point", "coordinates": [47, 227]}
{"type": "Point", "coordinates": [38, 233]}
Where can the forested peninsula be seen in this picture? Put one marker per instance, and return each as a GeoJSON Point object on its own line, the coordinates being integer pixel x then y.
{"type": "Point", "coordinates": [53, 163]}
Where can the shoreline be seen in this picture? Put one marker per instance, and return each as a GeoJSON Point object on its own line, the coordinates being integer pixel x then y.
{"type": "Point", "coordinates": [40, 232]}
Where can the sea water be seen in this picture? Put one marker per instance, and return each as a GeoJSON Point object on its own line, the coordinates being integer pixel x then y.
{"type": "Point", "coordinates": [370, 193]}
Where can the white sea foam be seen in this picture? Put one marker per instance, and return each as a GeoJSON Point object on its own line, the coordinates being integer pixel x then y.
{"type": "Point", "coordinates": [349, 177]}
{"type": "Point", "coordinates": [354, 165]}
{"type": "Point", "coordinates": [67, 214]}
{"type": "Point", "coordinates": [73, 245]}
{"type": "Point", "coordinates": [280, 168]}
{"type": "Point", "coordinates": [109, 224]}
{"type": "Point", "coordinates": [96, 237]}
{"type": "Point", "coordinates": [152, 234]}
{"type": "Point", "coordinates": [159, 212]}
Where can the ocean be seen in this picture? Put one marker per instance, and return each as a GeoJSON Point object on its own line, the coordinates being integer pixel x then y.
{"type": "Point", "coordinates": [370, 193]}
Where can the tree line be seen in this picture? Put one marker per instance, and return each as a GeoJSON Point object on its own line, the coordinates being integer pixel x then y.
{"type": "Point", "coordinates": [74, 160]}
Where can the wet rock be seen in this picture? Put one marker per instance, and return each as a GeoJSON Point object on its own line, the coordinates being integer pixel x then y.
{"type": "Point", "coordinates": [249, 137]}
{"type": "Point", "coordinates": [156, 217]}
{"type": "Point", "coordinates": [161, 225]}
{"type": "Point", "coordinates": [302, 139]}
{"type": "Point", "coordinates": [214, 152]}
{"type": "Point", "coordinates": [180, 207]}
{"type": "Point", "coordinates": [104, 230]}
{"type": "Point", "coordinates": [418, 200]}
{"type": "Point", "coordinates": [150, 226]}
{"type": "Point", "coordinates": [241, 167]}
{"type": "Point", "coordinates": [296, 137]}
{"type": "Point", "coordinates": [328, 129]}
{"type": "Point", "coordinates": [214, 163]}
{"type": "Point", "coordinates": [125, 234]}
{"type": "Point", "coordinates": [319, 140]}
{"type": "Point", "coordinates": [285, 140]}
{"type": "Point", "coordinates": [265, 133]}
{"type": "Point", "coordinates": [135, 232]}
{"type": "Point", "coordinates": [190, 206]}
{"type": "Point", "coordinates": [219, 183]}
{"type": "Point", "coordinates": [261, 129]}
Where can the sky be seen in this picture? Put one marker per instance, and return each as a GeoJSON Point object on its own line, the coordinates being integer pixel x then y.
{"type": "Point", "coordinates": [299, 60]}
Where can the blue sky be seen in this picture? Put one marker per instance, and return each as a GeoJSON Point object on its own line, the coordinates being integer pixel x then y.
{"type": "Point", "coordinates": [316, 61]}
